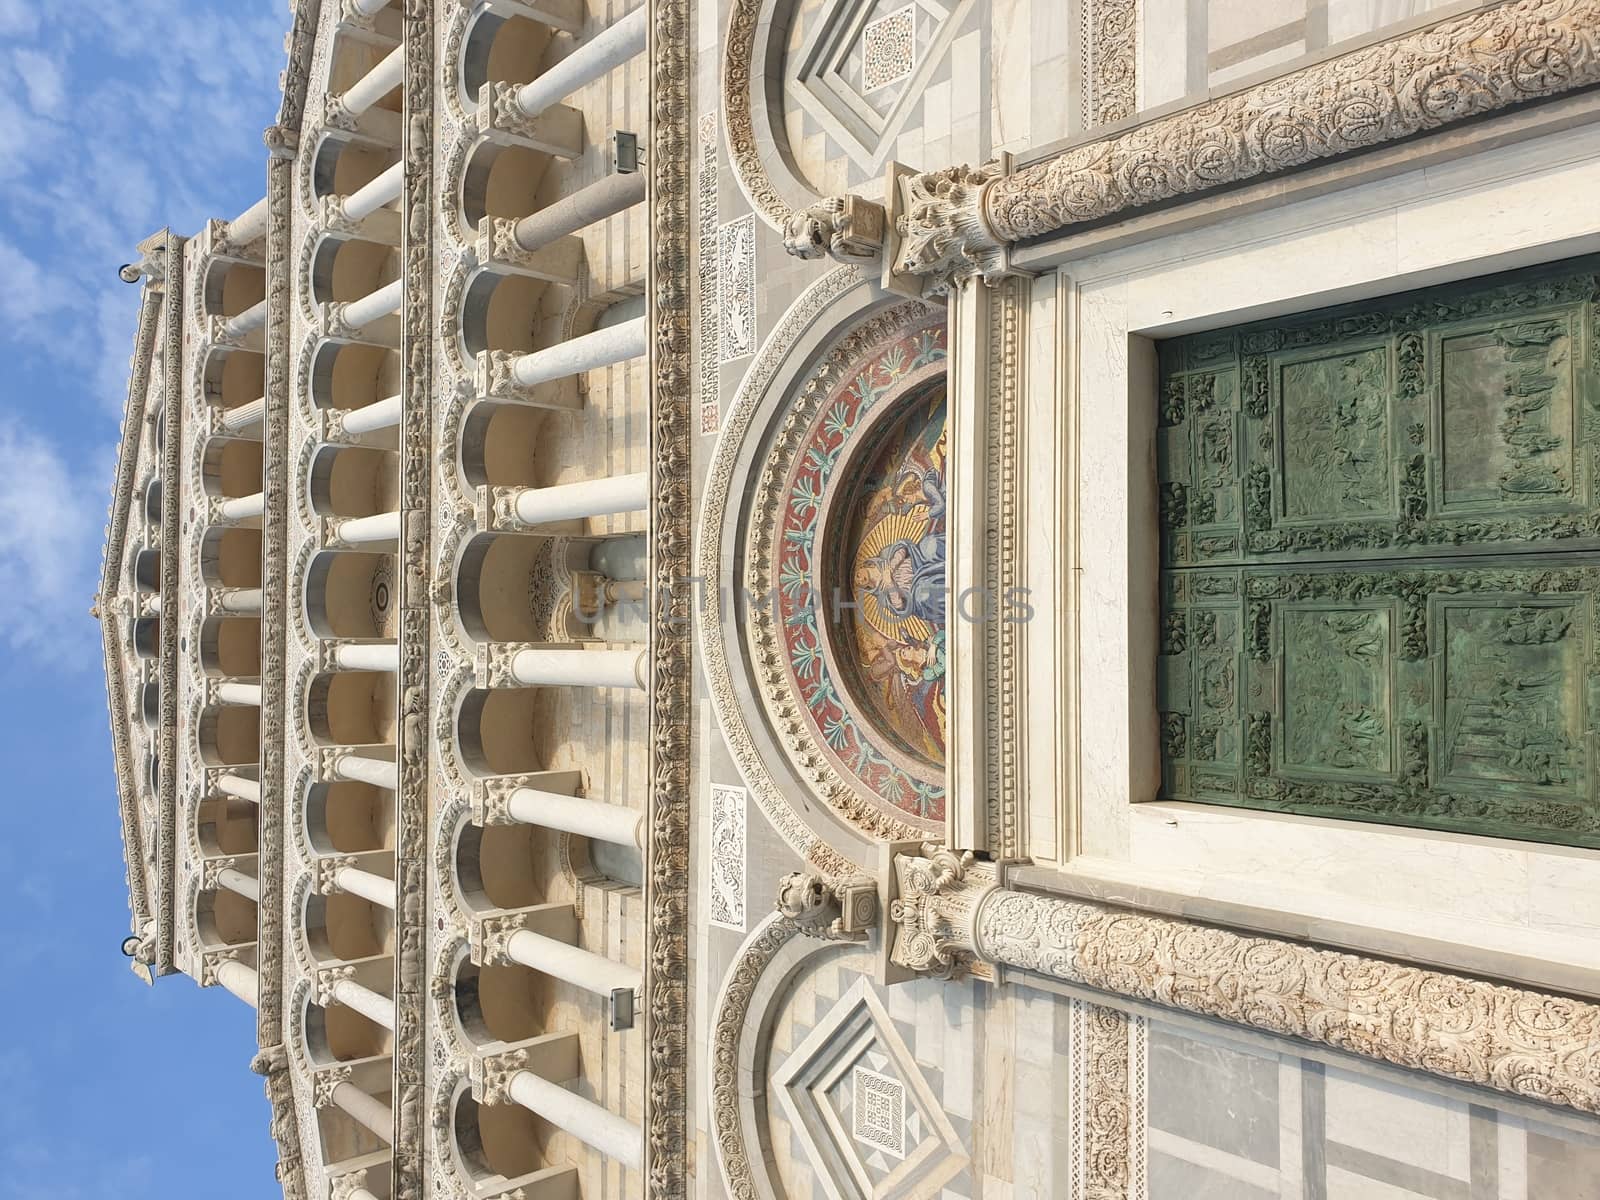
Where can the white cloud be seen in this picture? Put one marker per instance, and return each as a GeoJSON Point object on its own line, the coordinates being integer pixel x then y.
{"type": "Point", "coordinates": [49, 546]}
{"type": "Point", "coordinates": [41, 75]}
{"type": "Point", "coordinates": [18, 17]}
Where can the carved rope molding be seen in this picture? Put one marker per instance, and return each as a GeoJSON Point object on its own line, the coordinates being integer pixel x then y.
{"type": "Point", "coordinates": [666, 851]}
{"type": "Point", "coordinates": [1532, 1044]}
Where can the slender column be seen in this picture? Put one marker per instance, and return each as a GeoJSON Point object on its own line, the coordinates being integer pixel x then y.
{"type": "Point", "coordinates": [237, 882]}
{"type": "Point", "coordinates": [366, 885]}
{"type": "Point", "coordinates": [380, 414]}
{"type": "Point", "coordinates": [232, 692]}
{"type": "Point", "coordinates": [586, 352]}
{"type": "Point", "coordinates": [376, 1008]}
{"type": "Point", "coordinates": [250, 225]}
{"type": "Point", "coordinates": [376, 83]}
{"type": "Point", "coordinates": [375, 305]}
{"type": "Point", "coordinates": [239, 600]}
{"type": "Point", "coordinates": [369, 8]}
{"type": "Point", "coordinates": [366, 770]}
{"type": "Point", "coordinates": [247, 322]}
{"type": "Point", "coordinates": [590, 1123]}
{"type": "Point", "coordinates": [586, 498]}
{"type": "Point", "coordinates": [240, 787]}
{"type": "Point", "coordinates": [374, 1114]}
{"type": "Point", "coordinates": [244, 416]}
{"type": "Point", "coordinates": [373, 195]}
{"type": "Point", "coordinates": [601, 199]}
{"type": "Point", "coordinates": [381, 527]}
{"type": "Point", "coordinates": [577, 814]}
{"type": "Point", "coordinates": [240, 979]}
{"type": "Point", "coordinates": [572, 964]}
{"type": "Point", "coordinates": [384, 657]}
{"type": "Point", "coordinates": [578, 668]}
{"type": "Point", "coordinates": [242, 508]}
{"type": "Point", "coordinates": [611, 47]}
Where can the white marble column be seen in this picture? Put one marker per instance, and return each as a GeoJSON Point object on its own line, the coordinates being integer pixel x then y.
{"type": "Point", "coordinates": [374, 306]}
{"type": "Point", "coordinates": [242, 508]}
{"type": "Point", "coordinates": [577, 814]}
{"type": "Point", "coordinates": [610, 48]}
{"type": "Point", "coordinates": [237, 882]}
{"type": "Point", "coordinates": [376, 1008]}
{"type": "Point", "coordinates": [239, 600]}
{"type": "Point", "coordinates": [243, 417]}
{"type": "Point", "coordinates": [231, 691]}
{"type": "Point", "coordinates": [375, 84]}
{"type": "Point", "coordinates": [373, 1114]}
{"type": "Point", "coordinates": [579, 668]}
{"type": "Point", "coordinates": [247, 322]}
{"type": "Point", "coordinates": [367, 199]}
{"type": "Point", "coordinates": [379, 656]}
{"type": "Point", "coordinates": [250, 225]}
{"type": "Point", "coordinates": [359, 768]}
{"type": "Point", "coordinates": [368, 8]}
{"type": "Point", "coordinates": [380, 414]}
{"type": "Point", "coordinates": [240, 979]}
{"type": "Point", "coordinates": [604, 198]}
{"type": "Point", "coordinates": [572, 964]}
{"type": "Point", "coordinates": [376, 888]}
{"type": "Point", "coordinates": [587, 352]}
{"type": "Point", "coordinates": [360, 531]}
{"type": "Point", "coordinates": [586, 498]}
{"type": "Point", "coordinates": [240, 787]}
{"type": "Point", "coordinates": [592, 1124]}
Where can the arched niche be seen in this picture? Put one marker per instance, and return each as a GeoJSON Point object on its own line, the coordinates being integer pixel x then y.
{"type": "Point", "coordinates": [351, 594]}
{"type": "Point", "coordinates": [341, 928]}
{"type": "Point", "coordinates": [234, 376]}
{"type": "Point", "coordinates": [498, 866]}
{"type": "Point", "coordinates": [497, 1003]}
{"type": "Point", "coordinates": [502, 49]}
{"type": "Point", "coordinates": [501, 731]}
{"type": "Point", "coordinates": [145, 635]}
{"type": "Point", "coordinates": [230, 735]}
{"type": "Point", "coordinates": [226, 825]}
{"type": "Point", "coordinates": [337, 1034]}
{"type": "Point", "coordinates": [150, 704]}
{"type": "Point", "coordinates": [352, 708]}
{"type": "Point", "coordinates": [344, 269]}
{"type": "Point", "coordinates": [343, 166]}
{"type": "Point", "coordinates": [224, 918]}
{"type": "Point", "coordinates": [231, 557]}
{"type": "Point", "coordinates": [347, 816]}
{"type": "Point", "coordinates": [145, 571]}
{"type": "Point", "coordinates": [498, 311]}
{"type": "Point", "coordinates": [231, 287]}
{"type": "Point", "coordinates": [495, 578]}
{"type": "Point", "coordinates": [231, 466]}
{"type": "Point", "coordinates": [508, 181]}
{"type": "Point", "coordinates": [152, 502]}
{"type": "Point", "coordinates": [230, 647]}
{"type": "Point", "coordinates": [354, 481]}
{"type": "Point", "coordinates": [498, 1144]}
{"type": "Point", "coordinates": [501, 444]}
{"type": "Point", "coordinates": [348, 375]}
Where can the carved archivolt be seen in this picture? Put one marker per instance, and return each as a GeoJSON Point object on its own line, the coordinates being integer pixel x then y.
{"type": "Point", "coordinates": [740, 78]}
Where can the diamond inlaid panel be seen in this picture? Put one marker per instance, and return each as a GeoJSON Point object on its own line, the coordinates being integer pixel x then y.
{"type": "Point", "coordinates": [889, 49]}
{"type": "Point", "coordinates": [880, 1111]}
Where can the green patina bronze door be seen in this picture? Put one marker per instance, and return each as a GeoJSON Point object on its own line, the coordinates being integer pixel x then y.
{"type": "Point", "coordinates": [1380, 544]}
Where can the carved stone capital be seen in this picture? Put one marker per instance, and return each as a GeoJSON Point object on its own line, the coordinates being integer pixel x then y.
{"type": "Point", "coordinates": [334, 325]}
{"type": "Point", "coordinates": [333, 429]}
{"type": "Point", "coordinates": [325, 1082]}
{"type": "Point", "coordinates": [559, 262]}
{"type": "Point", "coordinates": [211, 962]}
{"type": "Point", "coordinates": [848, 229]}
{"type": "Point", "coordinates": [494, 377]}
{"type": "Point", "coordinates": [327, 873]}
{"type": "Point", "coordinates": [345, 1187]}
{"type": "Point", "coordinates": [558, 130]}
{"type": "Point", "coordinates": [382, 226]}
{"type": "Point", "coordinates": [491, 1075]}
{"type": "Point", "coordinates": [940, 233]}
{"type": "Point", "coordinates": [328, 978]}
{"type": "Point", "coordinates": [937, 897]}
{"type": "Point", "coordinates": [497, 510]}
{"type": "Point", "coordinates": [219, 333]}
{"type": "Point", "coordinates": [491, 935]}
{"type": "Point", "coordinates": [328, 762]}
{"type": "Point", "coordinates": [492, 664]}
{"type": "Point", "coordinates": [831, 911]}
{"type": "Point", "coordinates": [491, 801]}
{"type": "Point", "coordinates": [211, 870]}
{"type": "Point", "coordinates": [336, 114]}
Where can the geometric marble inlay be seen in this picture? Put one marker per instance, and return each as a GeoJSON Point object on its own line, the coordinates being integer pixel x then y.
{"type": "Point", "coordinates": [864, 1114]}
{"type": "Point", "coordinates": [889, 49]}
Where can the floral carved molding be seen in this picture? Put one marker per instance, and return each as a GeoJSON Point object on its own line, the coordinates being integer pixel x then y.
{"type": "Point", "coordinates": [952, 914]}
{"type": "Point", "coordinates": [946, 226]}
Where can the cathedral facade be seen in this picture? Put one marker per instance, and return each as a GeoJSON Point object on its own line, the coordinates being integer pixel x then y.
{"type": "Point", "coordinates": [954, 599]}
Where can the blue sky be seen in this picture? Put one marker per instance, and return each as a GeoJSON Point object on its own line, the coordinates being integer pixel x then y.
{"type": "Point", "coordinates": [146, 114]}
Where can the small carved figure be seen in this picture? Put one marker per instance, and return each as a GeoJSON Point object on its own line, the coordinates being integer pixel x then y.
{"type": "Point", "coordinates": [833, 912]}
{"type": "Point", "coordinates": [846, 228]}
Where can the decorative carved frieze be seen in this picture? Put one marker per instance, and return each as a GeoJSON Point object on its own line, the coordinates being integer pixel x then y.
{"type": "Point", "coordinates": [951, 912]}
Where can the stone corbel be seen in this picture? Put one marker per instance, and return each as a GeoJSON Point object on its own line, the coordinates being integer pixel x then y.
{"type": "Point", "coordinates": [842, 911]}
